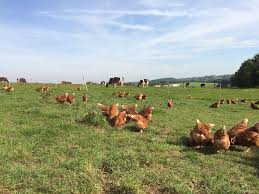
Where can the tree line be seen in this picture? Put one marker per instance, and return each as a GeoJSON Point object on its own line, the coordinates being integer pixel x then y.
{"type": "Point", "coordinates": [248, 74]}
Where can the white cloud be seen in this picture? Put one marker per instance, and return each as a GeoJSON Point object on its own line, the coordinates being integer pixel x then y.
{"type": "Point", "coordinates": [119, 13]}
{"type": "Point", "coordinates": [161, 3]}
{"type": "Point", "coordinates": [224, 22]}
{"type": "Point", "coordinates": [131, 27]}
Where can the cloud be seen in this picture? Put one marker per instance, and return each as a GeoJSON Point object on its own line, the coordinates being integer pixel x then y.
{"type": "Point", "coordinates": [120, 13]}
{"type": "Point", "coordinates": [132, 27]}
{"type": "Point", "coordinates": [224, 22]}
{"type": "Point", "coordinates": [161, 3]}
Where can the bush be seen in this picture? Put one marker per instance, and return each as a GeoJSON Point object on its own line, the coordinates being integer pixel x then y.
{"type": "Point", "coordinates": [93, 118]}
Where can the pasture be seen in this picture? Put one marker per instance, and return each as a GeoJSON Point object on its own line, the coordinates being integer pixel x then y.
{"type": "Point", "coordinates": [44, 150]}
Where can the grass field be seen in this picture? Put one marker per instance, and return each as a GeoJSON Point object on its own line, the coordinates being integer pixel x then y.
{"type": "Point", "coordinates": [43, 149]}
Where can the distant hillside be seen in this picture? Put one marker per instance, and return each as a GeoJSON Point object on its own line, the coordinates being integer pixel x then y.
{"type": "Point", "coordinates": [210, 79]}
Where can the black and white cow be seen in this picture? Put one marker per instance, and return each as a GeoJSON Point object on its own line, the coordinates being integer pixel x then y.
{"type": "Point", "coordinates": [103, 83]}
{"type": "Point", "coordinates": [3, 80]}
{"type": "Point", "coordinates": [21, 80]}
{"type": "Point", "coordinates": [143, 83]}
{"type": "Point", "coordinates": [116, 81]}
{"type": "Point", "coordinates": [203, 85]}
{"type": "Point", "coordinates": [187, 85]}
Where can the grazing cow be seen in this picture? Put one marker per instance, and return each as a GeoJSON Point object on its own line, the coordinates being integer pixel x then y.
{"type": "Point", "coordinates": [66, 82]}
{"type": "Point", "coordinates": [116, 81]}
{"type": "Point", "coordinates": [103, 83]}
{"type": "Point", "coordinates": [143, 83]}
{"type": "Point", "coordinates": [217, 85]}
{"type": "Point", "coordinates": [21, 80]}
{"type": "Point", "coordinates": [187, 85]}
{"type": "Point", "coordinates": [3, 80]}
{"type": "Point", "coordinates": [203, 85]}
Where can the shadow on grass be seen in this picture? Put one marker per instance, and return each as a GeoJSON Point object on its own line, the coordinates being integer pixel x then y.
{"type": "Point", "coordinates": [236, 149]}
{"type": "Point", "coordinates": [106, 167]}
{"type": "Point", "coordinates": [209, 150]}
{"type": "Point", "coordinates": [206, 150]}
{"type": "Point", "coordinates": [182, 141]}
{"type": "Point", "coordinates": [132, 129]}
{"type": "Point", "coordinates": [113, 188]}
{"type": "Point", "coordinates": [251, 160]}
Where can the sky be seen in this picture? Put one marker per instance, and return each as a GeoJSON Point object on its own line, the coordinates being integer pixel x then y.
{"type": "Point", "coordinates": [55, 40]}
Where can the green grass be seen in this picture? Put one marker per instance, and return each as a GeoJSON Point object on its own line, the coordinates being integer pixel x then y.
{"type": "Point", "coordinates": [44, 150]}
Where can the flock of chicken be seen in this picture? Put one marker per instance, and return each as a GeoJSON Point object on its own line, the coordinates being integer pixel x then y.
{"type": "Point", "coordinates": [114, 115]}
{"type": "Point", "coordinates": [122, 94]}
{"type": "Point", "coordinates": [201, 135]}
{"type": "Point", "coordinates": [127, 113]}
{"type": "Point", "coordinates": [240, 134]}
{"type": "Point", "coordinates": [218, 103]}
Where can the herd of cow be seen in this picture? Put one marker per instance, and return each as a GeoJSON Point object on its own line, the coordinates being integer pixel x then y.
{"type": "Point", "coordinates": [19, 80]}
{"type": "Point", "coordinates": [120, 81]}
{"type": "Point", "coordinates": [112, 81]}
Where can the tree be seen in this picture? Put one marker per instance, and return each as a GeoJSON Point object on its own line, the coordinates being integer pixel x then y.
{"type": "Point", "coordinates": [248, 73]}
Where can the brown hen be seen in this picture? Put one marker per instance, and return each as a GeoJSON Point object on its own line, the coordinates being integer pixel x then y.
{"type": "Point", "coordinates": [140, 122]}
{"type": "Point", "coordinates": [130, 109]}
{"type": "Point", "coordinates": [119, 120]}
{"type": "Point", "coordinates": [215, 105]}
{"type": "Point", "coordinates": [147, 112]}
{"type": "Point", "coordinates": [238, 128]}
{"type": "Point", "coordinates": [170, 103]}
{"type": "Point", "coordinates": [201, 134]}
{"type": "Point", "coordinates": [221, 139]}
